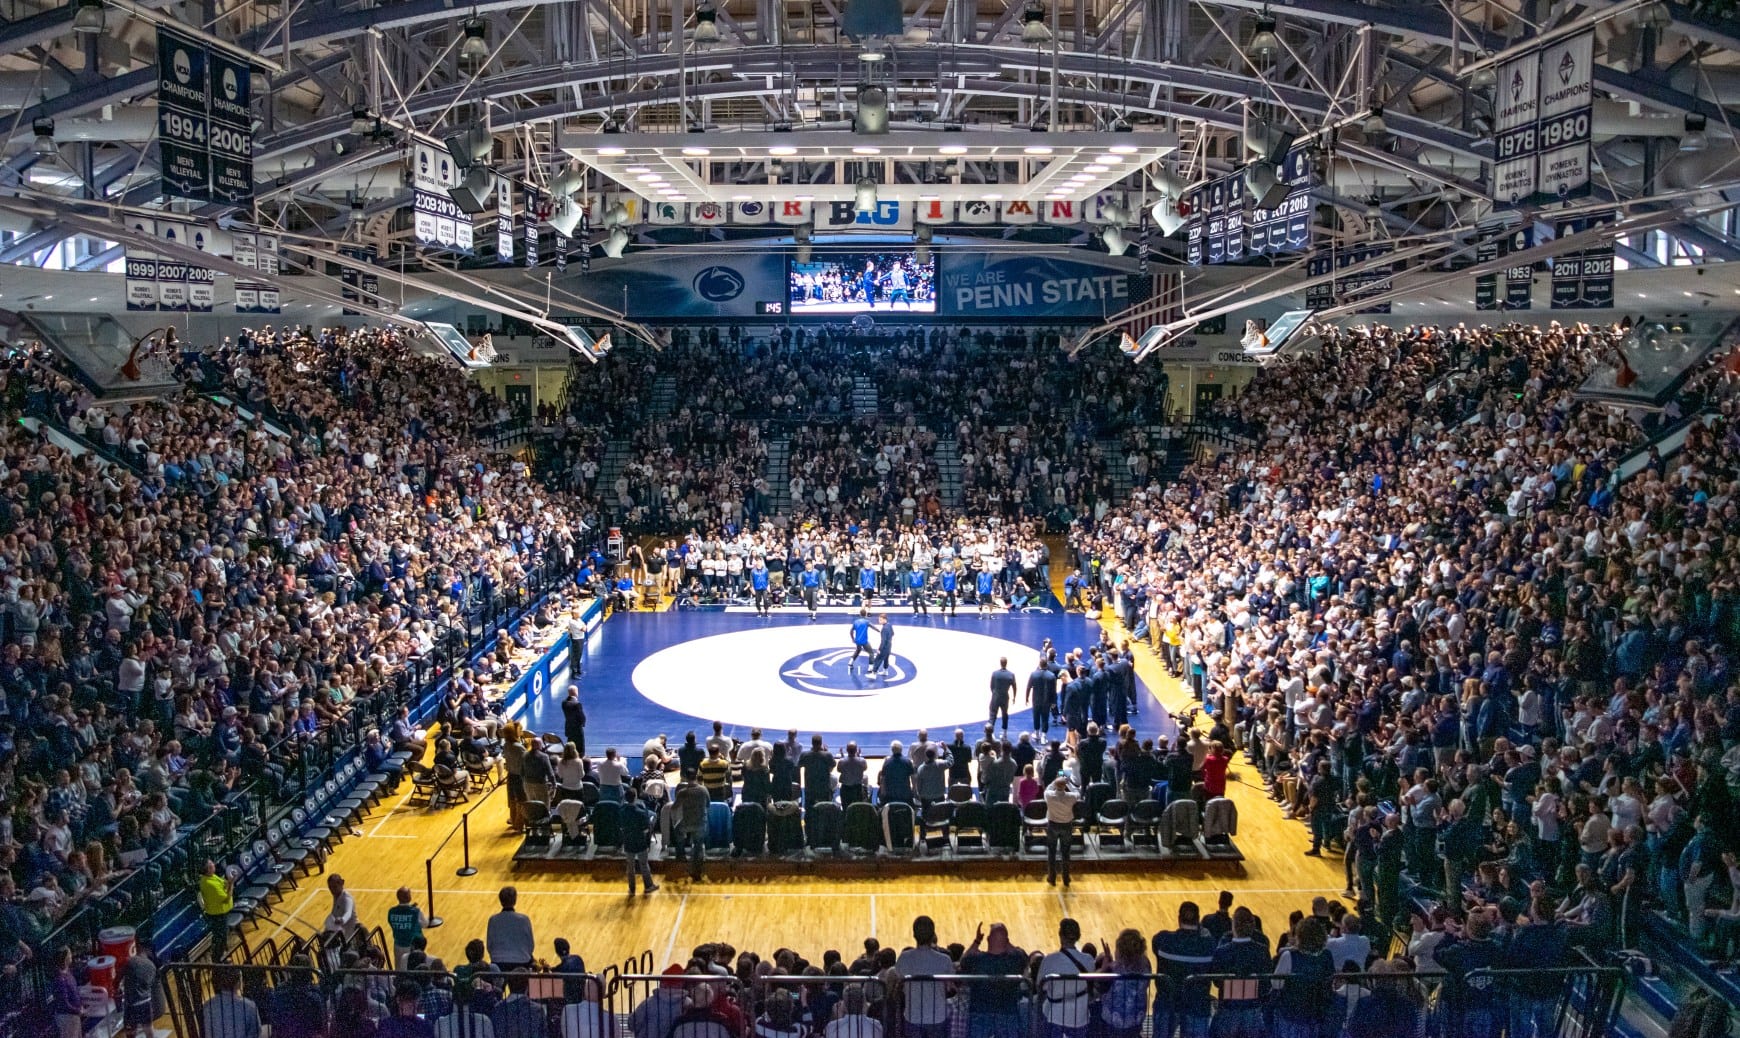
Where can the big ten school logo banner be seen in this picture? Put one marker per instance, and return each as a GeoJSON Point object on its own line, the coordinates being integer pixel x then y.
{"type": "Point", "coordinates": [989, 284]}
{"type": "Point", "coordinates": [204, 121]}
{"type": "Point", "coordinates": [1287, 227]}
{"type": "Point", "coordinates": [504, 220]}
{"type": "Point", "coordinates": [657, 287]}
{"type": "Point", "coordinates": [438, 222]}
{"type": "Point", "coordinates": [257, 252]}
{"type": "Point", "coordinates": [1583, 278]}
{"type": "Point", "coordinates": [841, 214]}
{"type": "Point", "coordinates": [783, 213]}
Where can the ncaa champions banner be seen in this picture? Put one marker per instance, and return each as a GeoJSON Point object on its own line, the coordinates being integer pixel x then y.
{"type": "Point", "coordinates": [205, 138]}
{"type": "Point", "coordinates": [1544, 125]}
{"type": "Point", "coordinates": [998, 285]}
{"type": "Point", "coordinates": [685, 286]}
{"type": "Point", "coordinates": [438, 222]}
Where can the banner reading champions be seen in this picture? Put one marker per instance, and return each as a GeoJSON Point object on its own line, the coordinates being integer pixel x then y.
{"type": "Point", "coordinates": [1544, 125]}
{"type": "Point", "coordinates": [205, 139]}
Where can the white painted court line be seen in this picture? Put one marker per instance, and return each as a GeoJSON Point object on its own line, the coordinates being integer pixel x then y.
{"type": "Point", "coordinates": [873, 915]}
{"type": "Point", "coordinates": [400, 803]}
{"type": "Point", "coordinates": [284, 921]}
{"type": "Point", "coordinates": [676, 925]}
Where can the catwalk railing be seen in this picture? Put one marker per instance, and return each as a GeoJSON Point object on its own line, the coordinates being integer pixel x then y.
{"type": "Point", "coordinates": [476, 1000]}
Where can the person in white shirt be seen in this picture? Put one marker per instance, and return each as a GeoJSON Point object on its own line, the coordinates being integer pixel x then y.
{"type": "Point", "coordinates": [852, 1021]}
{"type": "Point", "coordinates": [1065, 1002]}
{"type": "Point", "coordinates": [1350, 945]}
{"type": "Point", "coordinates": [342, 919]}
{"type": "Point", "coordinates": [1060, 801]}
{"type": "Point", "coordinates": [587, 1018]}
{"type": "Point", "coordinates": [612, 774]}
{"type": "Point", "coordinates": [927, 1003]}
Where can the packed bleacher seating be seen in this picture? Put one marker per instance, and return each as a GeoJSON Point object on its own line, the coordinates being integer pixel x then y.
{"type": "Point", "coordinates": [1451, 641]}
{"type": "Point", "coordinates": [1226, 971]}
{"type": "Point", "coordinates": [211, 599]}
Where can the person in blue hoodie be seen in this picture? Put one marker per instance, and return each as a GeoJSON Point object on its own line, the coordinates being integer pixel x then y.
{"type": "Point", "coordinates": [985, 587]}
{"type": "Point", "coordinates": [861, 637]}
{"type": "Point", "coordinates": [916, 591]}
{"type": "Point", "coordinates": [758, 582]}
{"type": "Point", "coordinates": [949, 582]}
{"type": "Point", "coordinates": [811, 578]}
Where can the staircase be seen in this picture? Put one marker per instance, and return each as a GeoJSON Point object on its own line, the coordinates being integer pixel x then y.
{"type": "Point", "coordinates": [865, 401]}
{"type": "Point", "coordinates": [615, 457]}
{"type": "Point", "coordinates": [777, 472]}
{"type": "Point", "coordinates": [1117, 466]}
{"type": "Point", "coordinates": [662, 402]}
{"type": "Point", "coordinates": [948, 468]}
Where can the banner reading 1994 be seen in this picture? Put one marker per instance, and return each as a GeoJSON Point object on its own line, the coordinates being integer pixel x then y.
{"type": "Point", "coordinates": [205, 138]}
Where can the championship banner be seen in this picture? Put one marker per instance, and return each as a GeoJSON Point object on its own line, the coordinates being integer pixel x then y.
{"type": "Point", "coordinates": [1370, 282]}
{"type": "Point", "coordinates": [438, 221]}
{"type": "Point", "coordinates": [243, 249]}
{"type": "Point", "coordinates": [267, 256]}
{"type": "Point", "coordinates": [1195, 227]}
{"type": "Point", "coordinates": [201, 280]}
{"type": "Point", "coordinates": [1565, 132]}
{"type": "Point", "coordinates": [141, 281]}
{"type": "Point", "coordinates": [1287, 227]}
{"type": "Point", "coordinates": [560, 244]}
{"type": "Point", "coordinates": [232, 129]}
{"type": "Point", "coordinates": [1486, 285]}
{"type": "Point", "coordinates": [1583, 279]}
{"type": "Point", "coordinates": [1320, 296]}
{"type": "Point", "coordinates": [172, 273]}
{"type": "Point", "coordinates": [585, 240]}
{"type": "Point", "coordinates": [1515, 127]}
{"type": "Point", "coordinates": [1519, 280]}
{"type": "Point", "coordinates": [183, 116]}
{"type": "Point", "coordinates": [534, 213]}
{"type": "Point", "coordinates": [247, 297]}
{"type": "Point", "coordinates": [504, 220]}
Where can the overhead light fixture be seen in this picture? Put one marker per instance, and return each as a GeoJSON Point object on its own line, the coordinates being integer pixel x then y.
{"type": "Point", "coordinates": [1114, 238]}
{"type": "Point", "coordinates": [1693, 140]}
{"type": "Point", "coordinates": [362, 121]}
{"type": "Point", "coordinates": [872, 117]}
{"type": "Point", "coordinates": [922, 239]}
{"type": "Point", "coordinates": [1485, 76]}
{"type": "Point", "coordinates": [782, 149]}
{"type": "Point", "coordinates": [1036, 149]}
{"type": "Point", "coordinates": [801, 236]}
{"type": "Point", "coordinates": [566, 216]}
{"type": "Point", "coordinates": [471, 146]}
{"type": "Point", "coordinates": [358, 215]}
{"type": "Point", "coordinates": [475, 49]}
{"type": "Point", "coordinates": [1167, 217]}
{"type": "Point", "coordinates": [873, 50]}
{"type": "Point", "coordinates": [473, 191]}
{"type": "Point", "coordinates": [696, 151]}
{"type": "Point", "coordinates": [88, 20]}
{"type": "Point", "coordinates": [1374, 121]}
{"type": "Point", "coordinates": [1034, 31]}
{"type": "Point", "coordinates": [864, 195]}
{"type": "Point", "coordinates": [567, 182]}
{"type": "Point", "coordinates": [1264, 185]}
{"type": "Point", "coordinates": [616, 242]}
{"type": "Point", "coordinates": [1264, 42]}
{"type": "Point", "coordinates": [706, 24]}
{"type": "Point", "coordinates": [44, 147]}
{"type": "Point", "coordinates": [615, 215]}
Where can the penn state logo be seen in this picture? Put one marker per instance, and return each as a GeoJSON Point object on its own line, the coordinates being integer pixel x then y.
{"type": "Point", "coordinates": [718, 284]}
{"type": "Point", "coordinates": [538, 679]}
{"type": "Point", "coordinates": [749, 209]}
{"type": "Point", "coordinates": [829, 672]}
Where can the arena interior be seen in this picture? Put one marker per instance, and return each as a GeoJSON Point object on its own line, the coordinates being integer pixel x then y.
{"type": "Point", "coordinates": [870, 519]}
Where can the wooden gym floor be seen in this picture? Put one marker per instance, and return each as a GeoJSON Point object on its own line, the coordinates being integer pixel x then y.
{"type": "Point", "coordinates": [808, 913]}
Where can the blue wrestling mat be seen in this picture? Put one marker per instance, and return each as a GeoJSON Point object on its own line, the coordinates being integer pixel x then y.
{"type": "Point", "coordinates": [646, 673]}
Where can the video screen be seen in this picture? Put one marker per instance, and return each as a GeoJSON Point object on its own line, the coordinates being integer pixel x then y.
{"type": "Point", "coordinates": [864, 282]}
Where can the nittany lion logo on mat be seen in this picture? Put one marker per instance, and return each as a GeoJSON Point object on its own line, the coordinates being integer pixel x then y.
{"type": "Point", "coordinates": [829, 672]}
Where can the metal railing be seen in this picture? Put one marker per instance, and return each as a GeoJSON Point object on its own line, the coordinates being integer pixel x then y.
{"type": "Point", "coordinates": [1577, 1002]}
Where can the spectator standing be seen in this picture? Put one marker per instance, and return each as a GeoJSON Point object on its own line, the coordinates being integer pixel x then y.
{"type": "Point", "coordinates": [1060, 801]}
{"type": "Point", "coordinates": [508, 936]}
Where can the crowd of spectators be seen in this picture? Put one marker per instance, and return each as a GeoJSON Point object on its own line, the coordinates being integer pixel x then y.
{"type": "Point", "coordinates": [191, 605]}
{"type": "Point", "coordinates": [1451, 639]}
{"type": "Point", "coordinates": [1315, 974]}
{"type": "Point", "coordinates": [1025, 416]}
